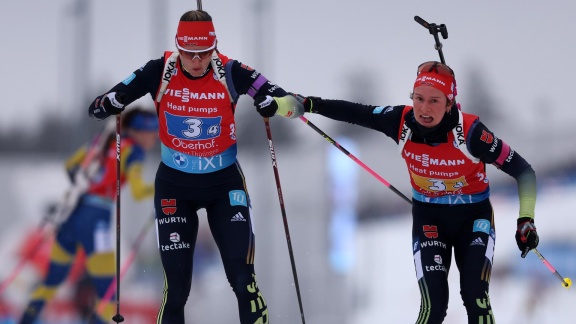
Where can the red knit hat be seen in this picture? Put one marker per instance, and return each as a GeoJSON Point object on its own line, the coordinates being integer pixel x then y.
{"type": "Point", "coordinates": [196, 33]}
{"type": "Point", "coordinates": [438, 76]}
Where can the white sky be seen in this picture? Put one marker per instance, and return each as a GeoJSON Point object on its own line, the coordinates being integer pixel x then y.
{"type": "Point", "coordinates": [525, 47]}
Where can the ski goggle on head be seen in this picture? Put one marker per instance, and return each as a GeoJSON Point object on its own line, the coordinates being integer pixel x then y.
{"type": "Point", "coordinates": [195, 54]}
{"type": "Point", "coordinates": [437, 75]}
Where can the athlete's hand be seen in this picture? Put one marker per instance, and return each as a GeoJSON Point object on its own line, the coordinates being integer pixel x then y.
{"type": "Point", "coordinates": [526, 235]}
{"type": "Point", "coordinates": [266, 106]}
{"type": "Point", "coordinates": [309, 103]}
{"type": "Point", "coordinates": [111, 103]}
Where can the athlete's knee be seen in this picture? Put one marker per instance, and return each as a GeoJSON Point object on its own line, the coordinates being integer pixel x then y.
{"type": "Point", "coordinates": [101, 264]}
{"type": "Point", "coordinates": [60, 264]}
{"type": "Point", "coordinates": [475, 296]}
{"type": "Point", "coordinates": [433, 300]}
{"type": "Point", "coordinates": [172, 307]}
{"type": "Point", "coordinates": [101, 269]}
{"type": "Point", "coordinates": [246, 289]}
{"type": "Point", "coordinates": [176, 296]}
{"type": "Point", "coordinates": [61, 255]}
{"type": "Point", "coordinates": [477, 303]}
{"type": "Point", "coordinates": [432, 312]}
{"type": "Point", "coordinates": [251, 302]}
{"type": "Point", "coordinates": [44, 292]}
{"type": "Point", "coordinates": [241, 276]}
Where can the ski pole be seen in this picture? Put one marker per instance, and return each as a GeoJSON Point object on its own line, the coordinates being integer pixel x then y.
{"type": "Point", "coordinates": [355, 159]}
{"type": "Point", "coordinates": [284, 218]}
{"type": "Point", "coordinates": [118, 318]}
{"type": "Point", "coordinates": [566, 282]}
{"type": "Point", "coordinates": [133, 251]}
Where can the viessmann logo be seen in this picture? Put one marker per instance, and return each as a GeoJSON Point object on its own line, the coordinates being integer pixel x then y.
{"type": "Point", "coordinates": [192, 38]}
{"type": "Point", "coordinates": [176, 245]}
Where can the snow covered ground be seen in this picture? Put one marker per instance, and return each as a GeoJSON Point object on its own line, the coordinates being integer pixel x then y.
{"type": "Point", "coordinates": [521, 290]}
{"type": "Point", "coordinates": [381, 289]}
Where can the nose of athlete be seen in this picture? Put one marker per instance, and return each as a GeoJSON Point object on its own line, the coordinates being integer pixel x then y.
{"type": "Point", "coordinates": [196, 56]}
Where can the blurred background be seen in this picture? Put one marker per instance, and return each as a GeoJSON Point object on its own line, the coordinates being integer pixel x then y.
{"type": "Point", "coordinates": [350, 235]}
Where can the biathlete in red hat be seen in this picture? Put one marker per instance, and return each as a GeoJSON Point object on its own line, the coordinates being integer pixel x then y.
{"type": "Point", "coordinates": [196, 89]}
{"type": "Point", "coordinates": [446, 152]}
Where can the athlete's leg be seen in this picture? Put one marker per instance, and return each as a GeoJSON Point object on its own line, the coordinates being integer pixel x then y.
{"type": "Point", "coordinates": [61, 259]}
{"type": "Point", "coordinates": [176, 229]}
{"type": "Point", "coordinates": [473, 253]}
{"type": "Point", "coordinates": [96, 238]}
{"type": "Point", "coordinates": [231, 226]}
{"type": "Point", "coordinates": [432, 257]}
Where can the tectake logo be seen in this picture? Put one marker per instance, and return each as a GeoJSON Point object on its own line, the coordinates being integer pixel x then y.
{"type": "Point", "coordinates": [509, 158]}
{"type": "Point", "coordinates": [438, 259]}
{"type": "Point", "coordinates": [177, 243]}
{"type": "Point", "coordinates": [438, 267]}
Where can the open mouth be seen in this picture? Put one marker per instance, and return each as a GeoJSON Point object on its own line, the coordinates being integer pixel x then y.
{"type": "Point", "coordinates": [426, 119]}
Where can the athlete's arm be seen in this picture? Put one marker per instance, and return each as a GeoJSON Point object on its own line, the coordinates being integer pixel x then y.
{"type": "Point", "coordinates": [246, 80]}
{"type": "Point", "coordinates": [73, 162]}
{"type": "Point", "coordinates": [134, 162]}
{"type": "Point", "coordinates": [141, 82]}
{"type": "Point", "coordinates": [484, 145]}
{"type": "Point", "coordinates": [380, 118]}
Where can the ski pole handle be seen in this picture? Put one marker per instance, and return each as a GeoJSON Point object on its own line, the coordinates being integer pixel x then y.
{"type": "Point", "coordinates": [434, 30]}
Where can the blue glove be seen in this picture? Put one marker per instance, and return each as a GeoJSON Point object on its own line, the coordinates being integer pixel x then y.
{"type": "Point", "coordinates": [526, 235]}
{"type": "Point", "coordinates": [111, 103]}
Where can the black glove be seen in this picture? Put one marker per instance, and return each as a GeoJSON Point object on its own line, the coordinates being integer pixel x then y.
{"type": "Point", "coordinates": [266, 106]}
{"type": "Point", "coordinates": [111, 103]}
{"type": "Point", "coordinates": [526, 235]}
{"type": "Point", "coordinates": [310, 103]}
